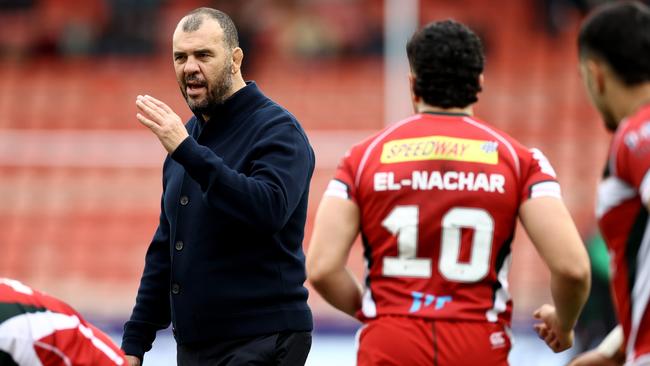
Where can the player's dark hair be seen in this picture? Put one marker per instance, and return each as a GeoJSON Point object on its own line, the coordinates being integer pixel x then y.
{"type": "Point", "coordinates": [194, 19]}
{"type": "Point", "coordinates": [619, 34]}
{"type": "Point", "coordinates": [447, 59]}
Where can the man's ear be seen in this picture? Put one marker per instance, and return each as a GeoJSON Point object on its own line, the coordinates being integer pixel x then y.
{"type": "Point", "coordinates": [596, 72]}
{"type": "Point", "coordinates": [414, 98]}
{"type": "Point", "coordinates": [481, 80]}
{"type": "Point", "coordinates": [237, 58]}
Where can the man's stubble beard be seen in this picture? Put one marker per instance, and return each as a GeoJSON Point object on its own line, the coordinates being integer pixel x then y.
{"type": "Point", "coordinates": [217, 93]}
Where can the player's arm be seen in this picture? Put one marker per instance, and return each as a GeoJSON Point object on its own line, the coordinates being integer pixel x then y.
{"type": "Point", "coordinates": [608, 353]}
{"type": "Point", "coordinates": [335, 229]}
{"type": "Point", "coordinates": [552, 231]}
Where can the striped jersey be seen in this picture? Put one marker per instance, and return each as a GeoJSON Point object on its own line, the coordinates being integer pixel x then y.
{"type": "Point", "coordinates": [623, 197]}
{"type": "Point", "coordinates": [39, 330]}
{"type": "Point", "coordinates": [439, 196]}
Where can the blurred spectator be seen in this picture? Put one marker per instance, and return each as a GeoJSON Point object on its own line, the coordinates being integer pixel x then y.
{"type": "Point", "coordinates": [335, 28]}
{"type": "Point", "coordinates": [356, 25]}
{"type": "Point", "coordinates": [78, 27]}
{"type": "Point", "coordinates": [67, 27]}
{"type": "Point", "coordinates": [306, 34]}
{"type": "Point", "coordinates": [15, 34]}
{"type": "Point", "coordinates": [49, 27]}
{"type": "Point", "coordinates": [556, 13]}
{"type": "Point", "coordinates": [131, 28]}
{"type": "Point", "coordinates": [15, 4]}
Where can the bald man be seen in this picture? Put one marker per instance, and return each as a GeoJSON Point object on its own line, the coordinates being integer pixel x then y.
{"type": "Point", "coordinates": [226, 265]}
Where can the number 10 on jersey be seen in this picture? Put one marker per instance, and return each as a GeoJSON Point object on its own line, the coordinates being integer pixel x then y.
{"type": "Point", "coordinates": [403, 222]}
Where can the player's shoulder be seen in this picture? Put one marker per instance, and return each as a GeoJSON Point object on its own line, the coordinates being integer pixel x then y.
{"type": "Point", "coordinates": [490, 130]}
{"type": "Point", "coordinates": [507, 144]}
{"type": "Point", "coordinates": [634, 130]}
{"type": "Point", "coordinates": [13, 291]}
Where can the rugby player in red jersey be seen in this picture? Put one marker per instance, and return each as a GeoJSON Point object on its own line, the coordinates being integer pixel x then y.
{"type": "Point", "coordinates": [38, 330]}
{"type": "Point", "coordinates": [614, 46]}
{"type": "Point", "coordinates": [436, 198]}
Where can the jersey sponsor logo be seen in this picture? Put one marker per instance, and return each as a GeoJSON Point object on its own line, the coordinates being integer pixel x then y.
{"type": "Point", "coordinates": [422, 180]}
{"type": "Point", "coordinates": [637, 141]}
{"type": "Point", "coordinates": [498, 339]}
{"type": "Point", "coordinates": [631, 140]}
{"type": "Point", "coordinates": [440, 148]}
{"type": "Point", "coordinates": [421, 301]}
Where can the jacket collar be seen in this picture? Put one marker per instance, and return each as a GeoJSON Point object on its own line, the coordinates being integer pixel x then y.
{"type": "Point", "coordinates": [237, 105]}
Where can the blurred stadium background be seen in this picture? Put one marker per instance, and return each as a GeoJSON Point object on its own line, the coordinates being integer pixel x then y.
{"type": "Point", "coordinates": [80, 178]}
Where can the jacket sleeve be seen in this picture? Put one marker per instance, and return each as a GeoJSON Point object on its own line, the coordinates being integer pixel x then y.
{"type": "Point", "coordinates": [281, 165]}
{"type": "Point", "coordinates": [152, 311]}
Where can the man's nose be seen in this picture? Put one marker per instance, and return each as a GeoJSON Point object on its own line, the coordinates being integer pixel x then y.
{"type": "Point", "coordinates": [191, 66]}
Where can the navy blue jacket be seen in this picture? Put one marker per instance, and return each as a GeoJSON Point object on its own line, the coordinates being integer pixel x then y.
{"type": "Point", "coordinates": [226, 260]}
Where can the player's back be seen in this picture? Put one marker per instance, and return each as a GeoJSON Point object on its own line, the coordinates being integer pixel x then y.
{"type": "Point", "coordinates": [38, 329]}
{"type": "Point", "coordinates": [439, 196]}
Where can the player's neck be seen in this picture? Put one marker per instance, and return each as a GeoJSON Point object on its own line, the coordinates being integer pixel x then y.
{"type": "Point", "coordinates": [630, 100]}
{"type": "Point", "coordinates": [426, 108]}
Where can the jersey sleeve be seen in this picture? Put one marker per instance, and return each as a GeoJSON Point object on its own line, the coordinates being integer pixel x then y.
{"type": "Point", "coordinates": [538, 176]}
{"type": "Point", "coordinates": [343, 183]}
{"type": "Point", "coordinates": [632, 161]}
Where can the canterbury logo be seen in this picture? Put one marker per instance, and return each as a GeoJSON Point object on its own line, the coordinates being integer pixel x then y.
{"type": "Point", "coordinates": [497, 339]}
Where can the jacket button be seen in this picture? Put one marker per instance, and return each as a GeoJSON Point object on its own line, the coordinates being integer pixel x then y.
{"type": "Point", "coordinates": [185, 200]}
{"type": "Point", "coordinates": [176, 289]}
{"type": "Point", "coordinates": [179, 245]}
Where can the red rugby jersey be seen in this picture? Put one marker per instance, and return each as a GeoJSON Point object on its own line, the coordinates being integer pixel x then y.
{"type": "Point", "coordinates": [39, 330]}
{"type": "Point", "coordinates": [439, 196]}
{"type": "Point", "coordinates": [622, 213]}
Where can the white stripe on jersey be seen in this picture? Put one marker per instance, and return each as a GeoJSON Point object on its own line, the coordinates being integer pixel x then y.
{"type": "Point", "coordinates": [368, 306]}
{"type": "Point", "coordinates": [641, 361]}
{"type": "Point", "coordinates": [546, 189]}
{"type": "Point", "coordinates": [336, 188]}
{"type": "Point", "coordinates": [374, 143]}
{"type": "Point", "coordinates": [616, 141]}
{"type": "Point", "coordinates": [543, 162]}
{"type": "Point", "coordinates": [54, 350]}
{"type": "Point", "coordinates": [16, 340]}
{"type": "Point", "coordinates": [487, 129]}
{"type": "Point", "coordinates": [30, 327]}
{"type": "Point", "coordinates": [611, 192]}
{"type": "Point", "coordinates": [502, 295]}
{"type": "Point", "coordinates": [644, 189]}
{"type": "Point", "coordinates": [16, 286]}
{"type": "Point", "coordinates": [100, 345]}
{"type": "Point", "coordinates": [357, 338]}
{"type": "Point", "coordinates": [641, 290]}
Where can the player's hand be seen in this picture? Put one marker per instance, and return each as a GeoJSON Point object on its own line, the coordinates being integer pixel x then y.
{"type": "Point", "coordinates": [162, 121]}
{"type": "Point", "coordinates": [593, 358]}
{"type": "Point", "coordinates": [550, 331]}
{"type": "Point", "coordinates": [132, 361]}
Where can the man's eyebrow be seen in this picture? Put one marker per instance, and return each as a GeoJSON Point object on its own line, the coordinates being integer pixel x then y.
{"type": "Point", "coordinates": [203, 50]}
